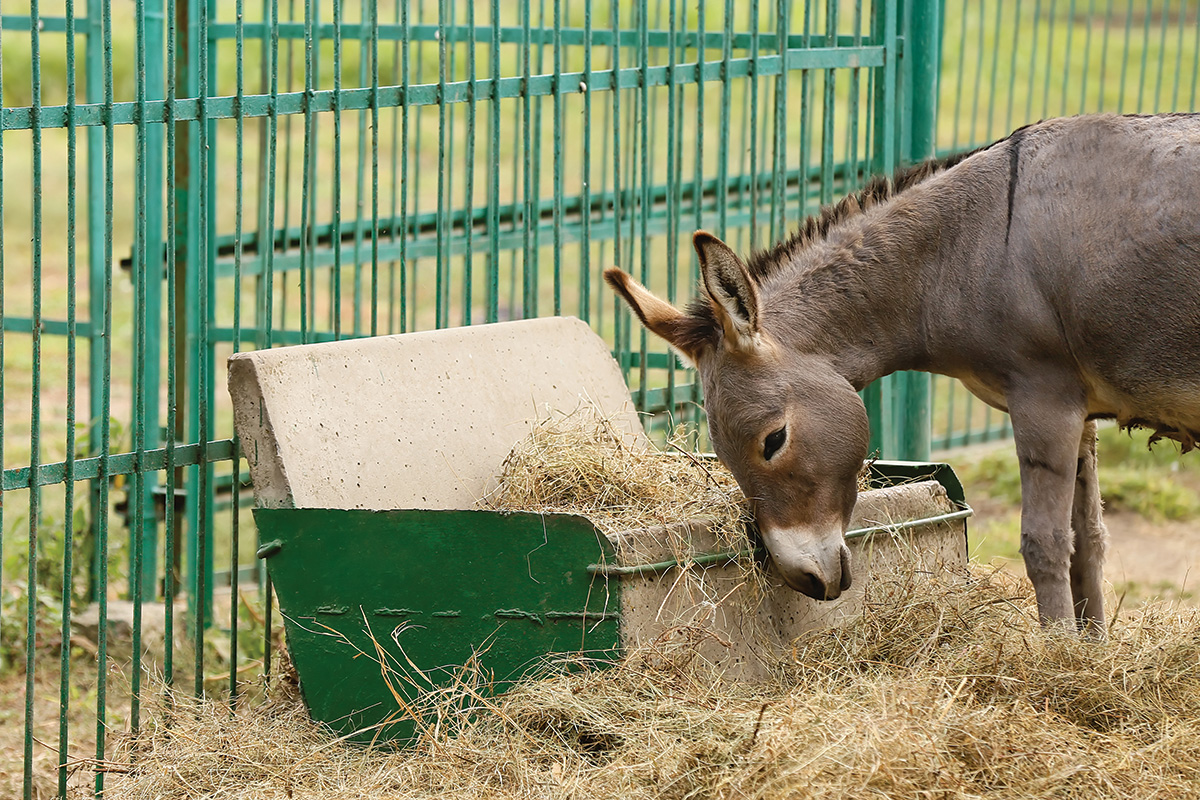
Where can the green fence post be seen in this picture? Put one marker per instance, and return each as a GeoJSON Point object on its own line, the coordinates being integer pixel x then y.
{"type": "Point", "coordinates": [919, 131]}
{"type": "Point", "coordinates": [879, 396]}
{"type": "Point", "coordinates": [94, 94]}
{"type": "Point", "coordinates": [153, 276]}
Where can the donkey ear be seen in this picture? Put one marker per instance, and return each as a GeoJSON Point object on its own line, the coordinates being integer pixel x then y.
{"type": "Point", "coordinates": [730, 288]}
{"type": "Point", "coordinates": [659, 316]}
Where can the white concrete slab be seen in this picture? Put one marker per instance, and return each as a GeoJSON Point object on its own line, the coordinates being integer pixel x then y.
{"type": "Point", "coordinates": [418, 420]}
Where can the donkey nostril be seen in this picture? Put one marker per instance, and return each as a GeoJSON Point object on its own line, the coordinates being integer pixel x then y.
{"type": "Point", "coordinates": [847, 576]}
{"type": "Point", "coordinates": [810, 585]}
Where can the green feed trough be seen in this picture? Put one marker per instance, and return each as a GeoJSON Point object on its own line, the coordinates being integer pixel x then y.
{"type": "Point", "coordinates": [388, 611]}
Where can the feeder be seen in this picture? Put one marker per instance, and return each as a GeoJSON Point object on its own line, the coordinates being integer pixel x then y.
{"type": "Point", "coordinates": [367, 457]}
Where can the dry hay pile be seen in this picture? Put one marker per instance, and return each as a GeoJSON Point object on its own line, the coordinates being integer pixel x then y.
{"type": "Point", "coordinates": [943, 689]}
{"type": "Point", "coordinates": [584, 463]}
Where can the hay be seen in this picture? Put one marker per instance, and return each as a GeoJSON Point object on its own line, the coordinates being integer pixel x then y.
{"type": "Point", "coordinates": [583, 463]}
{"type": "Point", "coordinates": [945, 688]}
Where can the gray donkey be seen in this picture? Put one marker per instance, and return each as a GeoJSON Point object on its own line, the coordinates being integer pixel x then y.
{"type": "Point", "coordinates": [1056, 273]}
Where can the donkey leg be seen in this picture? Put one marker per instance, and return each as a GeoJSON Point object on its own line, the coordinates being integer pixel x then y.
{"type": "Point", "coordinates": [1047, 434]}
{"type": "Point", "coordinates": [1087, 520]}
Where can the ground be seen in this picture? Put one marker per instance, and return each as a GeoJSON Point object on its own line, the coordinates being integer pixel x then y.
{"type": "Point", "coordinates": [1152, 509]}
{"type": "Point", "coordinates": [1146, 558]}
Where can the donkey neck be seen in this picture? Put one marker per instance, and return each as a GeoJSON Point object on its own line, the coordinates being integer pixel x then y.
{"type": "Point", "coordinates": [862, 295]}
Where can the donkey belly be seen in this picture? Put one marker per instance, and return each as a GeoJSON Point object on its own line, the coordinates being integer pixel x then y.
{"type": "Point", "coordinates": [1171, 409]}
{"type": "Point", "coordinates": [1138, 346]}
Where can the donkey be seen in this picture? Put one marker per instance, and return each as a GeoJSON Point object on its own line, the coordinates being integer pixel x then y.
{"type": "Point", "coordinates": [1056, 273]}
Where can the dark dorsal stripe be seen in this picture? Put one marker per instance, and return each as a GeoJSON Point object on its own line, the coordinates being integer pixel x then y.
{"type": "Point", "coordinates": [1014, 163]}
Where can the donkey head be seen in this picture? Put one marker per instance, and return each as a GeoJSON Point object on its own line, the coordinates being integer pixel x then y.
{"type": "Point", "coordinates": [789, 427]}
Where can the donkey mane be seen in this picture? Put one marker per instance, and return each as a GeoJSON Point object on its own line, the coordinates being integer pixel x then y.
{"type": "Point", "coordinates": [877, 190]}
{"type": "Point", "coordinates": [700, 327]}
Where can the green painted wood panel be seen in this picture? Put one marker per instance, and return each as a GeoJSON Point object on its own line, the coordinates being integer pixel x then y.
{"type": "Point", "coordinates": [436, 590]}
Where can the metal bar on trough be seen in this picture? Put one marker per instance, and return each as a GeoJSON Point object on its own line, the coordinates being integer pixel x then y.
{"type": "Point", "coordinates": [608, 570]}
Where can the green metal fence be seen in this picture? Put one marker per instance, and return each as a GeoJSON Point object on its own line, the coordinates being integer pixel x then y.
{"type": "Point", "coordinates": [183, 179]}
{"type": "Point", "coordinates": [1005, 63]}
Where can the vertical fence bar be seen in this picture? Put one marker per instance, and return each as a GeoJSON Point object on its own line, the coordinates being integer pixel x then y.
{"type": "Point", "coordinates": [980, 49]}
{"type": "Point", "coordinates": [643, 201]}
{"type": "Point", "coordinates": [1147, 14]}
{"type": "Point", "coordinates": [469, 175]}
{"type": "Point", "coordinates": [64, 679]}
{"type": "Point", "coordinates": [451, 161]}
{"type": "Point", "coordinates": [528, 269]}
{"type": "Point", "coordinates": [307, 278]}
{"type": "Point", "coordinates": [170, 512]}
{"type": "Point", "coordinates": [778, 199]}
{"type": "Point", "coordinates": [239, 199]}
{"type": "Point", "coordinates": [1067, 56]}
{"type": "Point", "coordinates": [374, 55]}
{"type": "Point", "coordinates": [1162, 53]}
{"type": "Point", "coordinates": [152, 413]}
{"type": "Point", "coordinates": [805, 154]}
{"type": "Point", "coordinates": [673, 173]}
{"type": "Point", "coordinates": [94, 94]}
{"type": "Point", "coordinates": [35, 408]}
{"type": "Point", "coordinates": [266, 320]}
{"type": "Point", "coordinates": [726, 99]}
{"type": "Point", "coordinates": [620, 341]}
{"type": "Point", "coordinates": [558, 159]}
{"type": "Point", "coordinates": [442, 271]}
{"type": "Point", "coordinates": [1104, 52]}
{"type": "Point", "coordinates": [3, 307]}
{"type": "Point", "coordinates": [752, 113]}
{"type": "Point", "coordinates": [878, 397]}
{"type": "Point", "coordinates": [493, 226]}
{"type": "Point", "coordinates": [105, 399]}
{"type": "Point", "coordinates": [394, 228]}
{"type": "Point", "coordinates": [335, 235]}
{"type": "Point", "coordinates": [416, 175]}
{"type": "Point", "coordinates": [1195, 62]}
{"type": "Point", "coordinates": [585, 254]}
{"type": "Point", "coordinates": [402, 8]}
{"type": "Point", "coordinates": [828, 107]}
{"type": "Point", "coordinates": [1012, 66]}
{"type": "Point", "coordinates": [921, 110]}
{"type": "Point", "coordinates": [1125, 61]}
{"type": "Point", "coordinates": [360, 167]}
{"type": "Point", "coordinates": [1049, 61]}
{"type": "Point", "coordinates": [141, 275]}
{"type": "Point", "coordinates": [201, 351]}
{"type": "Point", "coordinates": [1178, 55]}
{"type": "Point", "coordinates": [1087, 54]}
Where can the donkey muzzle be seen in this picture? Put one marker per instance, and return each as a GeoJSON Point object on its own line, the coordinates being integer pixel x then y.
{"type": "Point", "coordinates": [816, 566]}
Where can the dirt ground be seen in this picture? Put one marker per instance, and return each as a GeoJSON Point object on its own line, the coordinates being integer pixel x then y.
{"type": "Point", "coordinates": [1147, 559]}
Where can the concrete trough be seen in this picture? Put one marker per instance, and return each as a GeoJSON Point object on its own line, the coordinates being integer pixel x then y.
{"type": "Point", "coordinates": [367, 457]}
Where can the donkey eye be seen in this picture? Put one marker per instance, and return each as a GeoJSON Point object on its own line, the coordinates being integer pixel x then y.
{"type": "Point", "coordinates": [773, 442]}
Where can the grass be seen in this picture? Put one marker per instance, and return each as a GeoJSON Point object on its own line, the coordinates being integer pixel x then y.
{"type": "Point", "coordinates": [1154, 482]}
